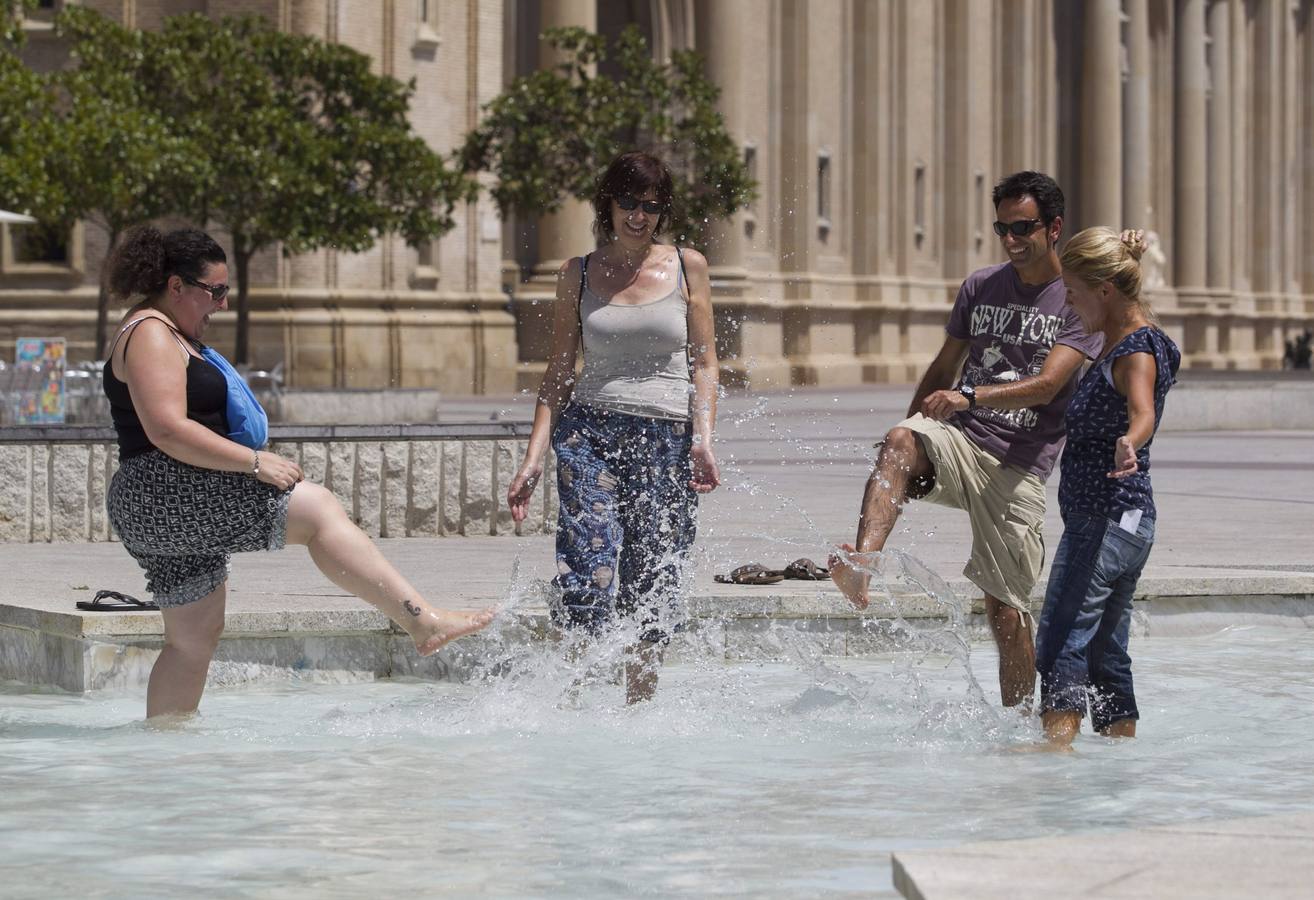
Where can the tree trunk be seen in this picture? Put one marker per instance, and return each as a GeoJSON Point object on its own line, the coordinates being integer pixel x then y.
{"type": "Point", "coordinates": [242, 258]}
{"type": "Point", "coordinates": [103, 299]}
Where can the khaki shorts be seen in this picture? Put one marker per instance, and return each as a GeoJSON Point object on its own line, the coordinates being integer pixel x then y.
{"type": "Point", "coordinates": [1005, 504]}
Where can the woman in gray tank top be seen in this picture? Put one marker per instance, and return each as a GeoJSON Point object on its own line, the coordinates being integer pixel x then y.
{"type": "Point", "coordinates": [633, 433]}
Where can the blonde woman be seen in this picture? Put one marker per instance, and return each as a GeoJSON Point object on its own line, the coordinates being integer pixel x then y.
{"type": "Point", "coordinates": [1105, 495]}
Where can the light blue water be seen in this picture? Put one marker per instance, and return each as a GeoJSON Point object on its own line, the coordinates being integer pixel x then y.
{"type": "Point", "coordinates": [782, 779]}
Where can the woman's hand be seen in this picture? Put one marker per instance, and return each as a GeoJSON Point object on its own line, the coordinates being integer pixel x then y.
{"type": "Point", "coordinates": [278, 471]}
{"type": "Point", "coordinates": [1124, 458]}
{"type": "Point", "coordinates": [522, 488]}
{"type": "Point", "coordinates": [706, 473]}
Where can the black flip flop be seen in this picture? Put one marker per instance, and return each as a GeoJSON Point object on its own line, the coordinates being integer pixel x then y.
{"type": "Point", "coordinates": [113, 601]}
{"type": "Point", "coordinates": [751, 573]}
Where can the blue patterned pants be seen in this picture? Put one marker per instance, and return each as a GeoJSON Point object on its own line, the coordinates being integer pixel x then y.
{"type": "Point", "coordinates": [627, 520]}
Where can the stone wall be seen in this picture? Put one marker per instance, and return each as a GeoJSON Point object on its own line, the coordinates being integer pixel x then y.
{"type": "Point", "coordinates": [394, 481]}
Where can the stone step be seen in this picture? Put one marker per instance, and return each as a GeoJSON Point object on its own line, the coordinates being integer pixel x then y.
{"type": "Point", "coordinates": [272, 635]}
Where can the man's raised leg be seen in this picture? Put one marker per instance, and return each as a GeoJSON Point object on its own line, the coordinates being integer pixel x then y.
{"type": "Point", "coordinates": [902, 460]}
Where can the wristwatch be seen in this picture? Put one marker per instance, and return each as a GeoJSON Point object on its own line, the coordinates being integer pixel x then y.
{"type": "Point", "coordinates": [969, 392]}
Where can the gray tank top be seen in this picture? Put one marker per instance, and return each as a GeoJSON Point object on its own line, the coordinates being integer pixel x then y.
{"type": "Point", "coordinates": [636, 357]}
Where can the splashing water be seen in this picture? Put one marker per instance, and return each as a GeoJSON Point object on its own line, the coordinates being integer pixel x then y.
{"type": "Point", "coordinates": [766, 765]}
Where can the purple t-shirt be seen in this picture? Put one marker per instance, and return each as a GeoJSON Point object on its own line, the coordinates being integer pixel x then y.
{"type": "Point", "coordinates": [1011, 327]}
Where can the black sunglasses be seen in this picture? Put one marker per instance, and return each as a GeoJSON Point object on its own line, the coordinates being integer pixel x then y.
{"type": "Point", "coordinates": [1020, 228]}
{"type": "Point", "coordinates": [628, 202]}
{"type": "Point", "coordinates": [217, 292]}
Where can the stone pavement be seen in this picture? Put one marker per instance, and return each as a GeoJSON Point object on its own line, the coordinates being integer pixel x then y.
{"type": "Point", "coordinates": [1271, 856]}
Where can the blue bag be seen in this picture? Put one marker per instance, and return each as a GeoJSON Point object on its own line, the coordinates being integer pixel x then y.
{"type": "Point", "coordinates": [247, 422]}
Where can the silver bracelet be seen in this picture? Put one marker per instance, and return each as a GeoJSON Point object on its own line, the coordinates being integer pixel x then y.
{"type": "Point", "coordinates": [255, 464]}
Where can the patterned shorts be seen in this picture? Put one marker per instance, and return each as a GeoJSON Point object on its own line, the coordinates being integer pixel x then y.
{"type": "Point", "coordinates": [627, 522]}
{"type": "Point", "coordinates": [181, 523]}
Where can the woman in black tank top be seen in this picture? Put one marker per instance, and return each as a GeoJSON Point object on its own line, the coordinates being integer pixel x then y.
{"type": "Point", "coordinates": [185, 496]}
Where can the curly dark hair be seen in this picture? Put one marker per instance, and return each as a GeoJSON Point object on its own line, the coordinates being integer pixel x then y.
{"type": "Point", "coordinates": [1036, 185]}
{"type": "Point", "coordinates": [632, 173]}
{"type": "Point", "coordinates": [144, 260]}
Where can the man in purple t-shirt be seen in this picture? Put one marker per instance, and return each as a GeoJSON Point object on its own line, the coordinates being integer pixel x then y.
{"type": "Point", "coordinates": [985, 426]}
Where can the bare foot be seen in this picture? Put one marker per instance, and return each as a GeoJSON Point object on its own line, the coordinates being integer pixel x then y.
{"type": "Point", "coordinates": [443, 625]}
{"type": "Point", "coordinates": [851, 574]}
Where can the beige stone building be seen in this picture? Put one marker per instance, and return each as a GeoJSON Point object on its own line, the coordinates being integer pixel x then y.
{"type": "Point", "coordinates": [875, 128]}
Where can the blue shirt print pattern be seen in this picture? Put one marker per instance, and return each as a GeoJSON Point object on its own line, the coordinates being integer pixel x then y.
{"type": "Point", "coordinates": [1097, 417]}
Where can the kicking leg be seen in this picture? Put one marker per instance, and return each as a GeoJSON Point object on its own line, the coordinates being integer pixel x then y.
{"type": "Point", "coordinates": [351, 560]}
{"type": "Point", "coordinates": [901, 463]}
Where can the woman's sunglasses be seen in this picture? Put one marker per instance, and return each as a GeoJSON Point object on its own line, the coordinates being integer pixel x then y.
{"type": "Point", "coordinates": [629, 202]}
{"type": "Point", "coordinates": [1020, 228]}
{"type": "Point", "coordinates": [217, 292]}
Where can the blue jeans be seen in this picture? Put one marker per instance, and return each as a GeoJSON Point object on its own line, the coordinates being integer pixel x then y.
{"type": "Point", "coordinates": [627, 520]}
{"type": "Point", "coordinates": [1081, 642]}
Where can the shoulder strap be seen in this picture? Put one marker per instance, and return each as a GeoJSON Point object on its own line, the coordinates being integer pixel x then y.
{"type": "Point", "coordinates": [124, 330]}
{"type": "Point", "coordinates": [683, 278]}
{"type": "Point", "coordinates": [131, 327]}
{"type": "Point", "coordinates": [579, 301]}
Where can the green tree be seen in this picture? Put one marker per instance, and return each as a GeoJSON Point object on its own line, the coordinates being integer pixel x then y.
{"type": "Point", "coordinates": [551, 134]}
{"type": "Point", "coordinates": [118, 160]}
{"type": "Point", "coordinates": [11, 21]}
{"type": "Point", "coordinates": [27, 182]}
{"type": "Point", "coordinates": [303, 145]}
{"type": "Point", "coordinates": [26, 128]}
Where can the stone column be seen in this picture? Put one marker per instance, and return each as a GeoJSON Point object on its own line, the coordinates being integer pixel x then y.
{"type": "Point", "coordinates": [1101, 105]}
{"type": "Point", "coordinates": [720, 33]}
{"type": "Point", "coordinates": [567, 232]}
{"type": "Point", "coordinates": [1136, 120]}
{"type": "Point", "coordinates": [1306, 152]}
{"type": "Point", "coordinates": [1189, 142]}
{"type": "Point", "coordinates": [1219, 260]}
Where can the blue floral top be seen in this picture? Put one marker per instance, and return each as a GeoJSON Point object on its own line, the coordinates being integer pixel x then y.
{"type": "Point", "coordinates": [1097, 417]}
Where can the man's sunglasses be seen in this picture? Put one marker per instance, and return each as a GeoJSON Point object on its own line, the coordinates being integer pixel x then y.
{"type": "Point", "coordinates": [217, 292]}
{"type": "Point", "coordinates": [629, 202]}
{"type": "Point", "coordinates": [1020, 228]}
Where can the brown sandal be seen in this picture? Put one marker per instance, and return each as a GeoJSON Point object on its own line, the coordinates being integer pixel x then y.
{"type": "Point", "coordinates": [751, 573]}
{"type": "Point", "coordinates": [805, 569]}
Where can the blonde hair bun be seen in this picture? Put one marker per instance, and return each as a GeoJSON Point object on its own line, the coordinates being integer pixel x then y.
{"type": "Point", "coordinates": [1134, 241]}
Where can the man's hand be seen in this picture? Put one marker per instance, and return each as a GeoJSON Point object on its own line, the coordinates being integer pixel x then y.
{"type": "Point", "coordinates": [942, 405]}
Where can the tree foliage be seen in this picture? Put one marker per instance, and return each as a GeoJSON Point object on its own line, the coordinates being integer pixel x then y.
{"type": "Point", "coordinates": [27, 182]}
{"type": "Point", "coordinates": [26, 103]}
{"type": "Point", "coordinates": [551, 134]}
{"type": "Point", "coordinates": [11, 21]}
{"type": "Point", "coordinates": [278, 139]}
{"type": "Point", "coordinates": [117, 156]}
{"type": "Point", "coordinates": [304, 146]}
